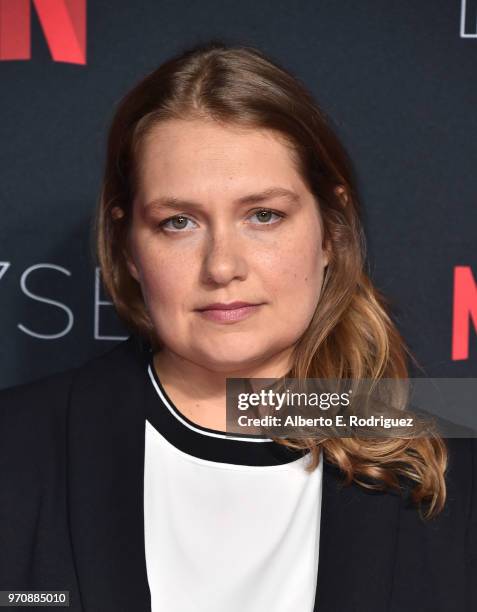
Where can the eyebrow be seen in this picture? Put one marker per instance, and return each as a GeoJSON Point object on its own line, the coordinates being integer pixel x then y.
{"type": "Point", "coordinates": [252, 198]}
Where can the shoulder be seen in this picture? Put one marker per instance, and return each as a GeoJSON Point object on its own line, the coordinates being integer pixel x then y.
{"type": "Point", "coordinates": [34, 416]}
{"type": "Point", "coordinates": [30, 410]}
{"type": "Point", "coordinates": [462, 465]}
{"type": "Point", "coordinates": [456, 524]}
{"type": "Point", "coordinates": [460, 482]}
{"type": "Point", "coordinates": [461, 472]}
{"type": "Point", "coordinates": [46, 392]}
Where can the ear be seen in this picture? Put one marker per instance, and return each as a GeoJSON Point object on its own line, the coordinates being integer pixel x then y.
{"type": "Point", "coordinates": [117, 213]}
{"type": "Point", "coordinates": [342, 194]}
{"type": "Point", "coordinates": [133, 271]}
{"type": "Point", "coordinates": [326, 254]}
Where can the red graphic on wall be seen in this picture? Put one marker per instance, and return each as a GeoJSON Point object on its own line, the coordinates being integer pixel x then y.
{"type": "Point", "coordinates": [63, 23]}
{"type": "Point", "coordinates": [465, 309]}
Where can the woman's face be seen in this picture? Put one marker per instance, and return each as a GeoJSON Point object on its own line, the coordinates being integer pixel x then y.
{"type": "Point", "coordinates": [222, 215]}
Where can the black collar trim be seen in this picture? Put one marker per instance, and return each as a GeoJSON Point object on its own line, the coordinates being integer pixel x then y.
{"type": "Point", "coordinates": [205, 443]}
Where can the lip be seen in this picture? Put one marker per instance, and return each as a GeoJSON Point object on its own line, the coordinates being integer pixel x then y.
{"type": "Point", "coordinates": [220, 314]}
{"type": "Point", "coordinates": [229, 306]}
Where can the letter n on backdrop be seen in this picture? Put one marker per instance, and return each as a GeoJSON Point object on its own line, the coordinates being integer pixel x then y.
{"type": "Point", "coordinates": [63, 23]}
{"type": "Point", "coordinates": [465, 309]}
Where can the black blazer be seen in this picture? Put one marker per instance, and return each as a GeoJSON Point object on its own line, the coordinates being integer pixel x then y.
{"type": "Point", "coordinates": [71, 507]}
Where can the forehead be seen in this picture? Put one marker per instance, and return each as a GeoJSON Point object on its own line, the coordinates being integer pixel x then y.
{"type": "Point", "coordinates": [205, 155]}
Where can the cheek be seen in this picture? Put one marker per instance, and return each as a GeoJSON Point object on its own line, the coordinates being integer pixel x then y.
{"type": "Point", "coordinates": [298, 301]}
{"type": "Point", "coordinates": [296, 270]}
{"type": "Point", "coordinates": [295, 287]}
{"type": "Point", "coordinates": [163, 282]}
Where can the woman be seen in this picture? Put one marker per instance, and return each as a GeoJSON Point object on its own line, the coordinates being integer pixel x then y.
{"type": "Point", "coordinates": [229, 240]}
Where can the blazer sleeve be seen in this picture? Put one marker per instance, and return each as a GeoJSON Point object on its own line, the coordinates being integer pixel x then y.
{"type": "Point", "coordinates": [35, 551]}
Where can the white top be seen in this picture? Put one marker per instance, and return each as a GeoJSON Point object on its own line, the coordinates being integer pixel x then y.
{"type": "Point", "coordinates": [231, 523]}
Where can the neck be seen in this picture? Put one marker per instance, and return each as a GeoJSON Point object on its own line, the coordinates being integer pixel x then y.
{"type": "Point", "coordinates": [190, 376]}
{"type": "Point", "coordinates": [199, 392]}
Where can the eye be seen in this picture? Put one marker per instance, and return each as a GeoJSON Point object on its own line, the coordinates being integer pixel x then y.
{"type": "Point", "coordinates": [179, 222]}
{"type": "Point", "coordinates": [264, 215]}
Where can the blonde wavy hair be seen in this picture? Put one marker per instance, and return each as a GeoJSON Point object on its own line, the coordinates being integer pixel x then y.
{"type": "Point", "coordinates": [351, 334]}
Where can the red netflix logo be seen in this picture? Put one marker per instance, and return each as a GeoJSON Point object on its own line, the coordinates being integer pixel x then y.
{"type": "Point", "coordinates": [63, 23]}
{"type": "Point", "coordinates": [465, 308]}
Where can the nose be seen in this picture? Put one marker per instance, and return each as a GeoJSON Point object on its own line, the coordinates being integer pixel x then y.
{"type": "Point", "coordinates": [225, 257]}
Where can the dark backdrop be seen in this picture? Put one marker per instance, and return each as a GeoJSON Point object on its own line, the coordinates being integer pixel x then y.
{"type": "Point", "coordinates": [397, 79]}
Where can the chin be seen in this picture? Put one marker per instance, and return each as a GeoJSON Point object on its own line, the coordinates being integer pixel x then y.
{"type": "Point", "coordinates": [229, 361]}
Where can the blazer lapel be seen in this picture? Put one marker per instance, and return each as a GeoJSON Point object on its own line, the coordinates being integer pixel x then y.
{"type": "Point", "coordinates": [106, 468]}
{"type": "Point", "coordinates": [358, 539]}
